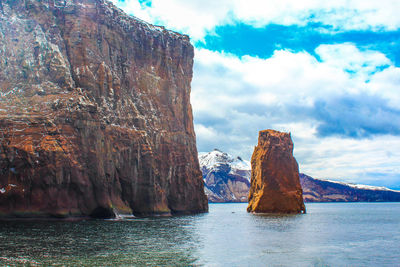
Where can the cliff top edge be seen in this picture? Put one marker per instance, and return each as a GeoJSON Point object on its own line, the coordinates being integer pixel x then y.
{"type": "Point", "coordinates": [273, 133]}
{"type": "Point", "coordinates": [110, 9]}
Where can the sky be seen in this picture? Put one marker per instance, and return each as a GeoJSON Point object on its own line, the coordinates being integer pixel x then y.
{"type": "Point", "coordinates": [326, 71]}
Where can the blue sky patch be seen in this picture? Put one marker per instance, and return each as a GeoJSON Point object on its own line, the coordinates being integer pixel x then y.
{"type": "Point", "coordinates": [145, 3]}
{"type": "Point", "coordinates": [242, 39]}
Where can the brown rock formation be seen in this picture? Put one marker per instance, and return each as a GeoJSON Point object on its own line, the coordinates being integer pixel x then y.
{"type": "Point", "coordinates": [95, 115]}
{"type": "Point", "coordinates": [275, 185]}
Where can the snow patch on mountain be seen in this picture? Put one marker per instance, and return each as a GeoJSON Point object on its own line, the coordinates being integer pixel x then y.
{"type": "Point", "coordinates": [226, 178]}
{"type": "Point", "coordinates": [362, 186]}
{"type": "Point", "coordinates": [217, 159]}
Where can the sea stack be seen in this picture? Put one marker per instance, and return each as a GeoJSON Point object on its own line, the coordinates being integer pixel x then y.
{"type": "Point", "coordinates": [275, 185]}
{"type": "Point", "coordinates": [95, 114]}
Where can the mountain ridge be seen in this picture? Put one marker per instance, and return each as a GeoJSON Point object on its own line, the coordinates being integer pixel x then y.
{"type": "Point", "coordinates": [314, 190]}
{"type": "Point", "coordinates": [226, 178]}
{"type": "Point", "coordinates": [318, 190]}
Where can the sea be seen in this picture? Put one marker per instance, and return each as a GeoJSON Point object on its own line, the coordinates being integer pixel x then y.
{"type": "Point", "coordinates": [329, 234]}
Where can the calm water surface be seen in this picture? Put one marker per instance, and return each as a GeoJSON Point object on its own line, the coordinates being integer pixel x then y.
{"type": "Point", "coordinates": [330, 234]}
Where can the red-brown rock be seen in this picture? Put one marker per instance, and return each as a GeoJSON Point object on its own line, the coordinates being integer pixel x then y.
{"type": "Point", "coordinates": [275, 185]}
{"type": "Point", "coordinates": [95, 114]}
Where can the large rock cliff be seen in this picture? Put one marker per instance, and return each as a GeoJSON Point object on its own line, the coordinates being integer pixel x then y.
{"type": "Point", "coordinates": [275, 185]}
{"type": "Point", "coordinates": [95, 116]}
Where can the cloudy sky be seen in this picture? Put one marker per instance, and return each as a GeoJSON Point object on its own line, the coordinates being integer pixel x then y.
{"type": "Point", "coordinates": [327, 71]}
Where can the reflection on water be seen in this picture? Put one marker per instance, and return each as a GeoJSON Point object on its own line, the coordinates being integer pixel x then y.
{"type": "Point", "coordinates": [336, 234]}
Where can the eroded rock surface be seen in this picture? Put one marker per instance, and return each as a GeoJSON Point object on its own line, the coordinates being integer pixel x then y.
{"type": "Point", "coordinates": [95, 117]}
{"type": "Point", "coordinates": [275, 185]}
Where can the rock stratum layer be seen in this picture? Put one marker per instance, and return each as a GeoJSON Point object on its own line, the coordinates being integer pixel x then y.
{"type": "Point", "coordinates": [275, 185]}
{"type": "Point", "coordinates": [95, 117]}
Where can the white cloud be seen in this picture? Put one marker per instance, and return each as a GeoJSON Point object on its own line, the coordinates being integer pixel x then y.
{"type": "Point", "coordinates": [194, 17]}
{"type": "Point", "coordinates": [287, 77]}
{"type": "Point", "coordinates": [197, 17]}
{"type": "Point", "coordinates": [349, 58]}
{"type": "Point", "coordinates": [233, 98]}
{"type": "Point", "coordinates": [341, 14]}
{"type": "Point", "coordinates": [133, 7]}
{"type": "Point", "coordinates": [386, 83]}
{"type": "Point", "coordinates": [351, 160]}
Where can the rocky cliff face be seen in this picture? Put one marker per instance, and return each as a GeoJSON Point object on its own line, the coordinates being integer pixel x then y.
{"type": "Point", "coordinates": [275, 185]}
{"type": "Point", "coordinates": [226, 179]}
{"type": "Point", "coordinates": [316, 190]}
{"type": "Point", "coordinates": [95, 115]}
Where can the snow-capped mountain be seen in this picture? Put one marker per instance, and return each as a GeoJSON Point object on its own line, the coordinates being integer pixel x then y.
{"type": "Point", "coordinates": [217, 160]}
{"type": "Point", "coordinates": [226, 178]}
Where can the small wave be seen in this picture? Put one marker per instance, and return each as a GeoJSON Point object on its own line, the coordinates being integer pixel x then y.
{"type": "Point", "coordinates": [19, 260]}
